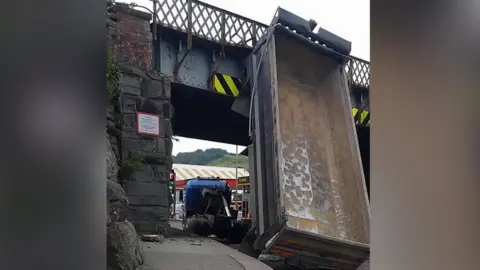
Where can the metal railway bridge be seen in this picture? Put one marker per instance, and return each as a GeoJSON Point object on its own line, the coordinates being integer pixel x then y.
{"type": "Point", "coordinates": [203, 49]}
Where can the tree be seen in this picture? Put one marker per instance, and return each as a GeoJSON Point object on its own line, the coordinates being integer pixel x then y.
{"type": "Point", "coordinates": [231, 161]}
{"type": "Point", "coordinates": [200, 157]}
{"type": "Point", "coordinates": [212, 157]}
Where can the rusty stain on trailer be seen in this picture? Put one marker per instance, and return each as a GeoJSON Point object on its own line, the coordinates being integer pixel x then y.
{"type": "Point", "coordinates": [316, 165]}
{"type": "Point", "coordinates": [289, 243]}
{"type": "Point", "coordinates": [281, 253]}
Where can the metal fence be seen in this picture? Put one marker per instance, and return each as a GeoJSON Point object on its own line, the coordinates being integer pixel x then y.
{"type": "Point", "coordinates": [358, 72]}
{"type": "Point", "coordinates": [224, 27]}
{"type": "Point", "coordinates": [209, 22]}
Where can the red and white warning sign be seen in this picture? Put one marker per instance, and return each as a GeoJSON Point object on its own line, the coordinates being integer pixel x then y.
{"type": "Point", "coordinates": [148, 124]}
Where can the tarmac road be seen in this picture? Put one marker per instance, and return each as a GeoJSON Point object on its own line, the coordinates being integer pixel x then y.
{"type": "Point", "coordinates": [274, 262]}
{"type": "Point", "coordinates": [184, 251]}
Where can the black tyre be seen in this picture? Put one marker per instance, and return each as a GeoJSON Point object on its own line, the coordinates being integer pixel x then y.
{"type": "Point", "coordinates": [198, 226]}
{"type": "Point", "coordinates": [238, 231]}
{"type": "Point", "coordinates": [190, 225]}
{"type": "Point", "coordinates": [221, 234]}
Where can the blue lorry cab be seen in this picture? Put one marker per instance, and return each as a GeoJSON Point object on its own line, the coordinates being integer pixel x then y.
{"type": "Point", "coordinates": [193, 192]}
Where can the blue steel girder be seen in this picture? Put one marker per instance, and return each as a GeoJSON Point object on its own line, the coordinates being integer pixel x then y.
{"type": "Point", "coordinates": [195, 67]}
{"type": "Point", "coordinates": [222, 28]}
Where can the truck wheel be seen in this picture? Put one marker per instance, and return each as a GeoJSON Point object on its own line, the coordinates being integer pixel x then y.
{"type": "Point", "coordinates": [198, 227]}
{"type": "Point", "coordinates": [247, 245]}
{"type": "Point", "coordinates": [190, 225]}
{"type": "Point", "coordinates": [221, 234]}
{"type": "Point", "coordinates": [237, 233]}
{"type": "Point", "coordinates": [203, 228]}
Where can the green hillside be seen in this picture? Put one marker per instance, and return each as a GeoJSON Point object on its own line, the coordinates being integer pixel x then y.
{"type": "Point", "coordinates": [200, 157]}
{"type": "Point", "coordinates": [229, 161]}
{"type": "Point", "coordinates": [211, 157]}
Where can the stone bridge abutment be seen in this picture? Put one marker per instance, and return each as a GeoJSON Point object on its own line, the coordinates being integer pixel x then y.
{"type": "Point", "coordinates": [144, 162]}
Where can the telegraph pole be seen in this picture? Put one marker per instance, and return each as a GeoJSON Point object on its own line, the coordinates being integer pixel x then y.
{"type": "Point", "coordinates": [172, 190]}
{"type": "Point", "coordinates": [236, 170]}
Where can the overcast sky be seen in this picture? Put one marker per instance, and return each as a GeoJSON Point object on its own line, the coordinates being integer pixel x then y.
{"type": "Point", "coordinates": [349, 19]}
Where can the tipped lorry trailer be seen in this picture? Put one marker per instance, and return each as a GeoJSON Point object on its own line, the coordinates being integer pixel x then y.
{"type": "Point", "coordinates": [308, 185]}
{"type": "Point", "coordinates": [308, 194]}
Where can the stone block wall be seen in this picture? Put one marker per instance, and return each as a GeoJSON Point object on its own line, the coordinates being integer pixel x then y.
{"type": "Point", "coordinates": [147, 187]}
{"type": "Point", "coordinates": [140, 90]}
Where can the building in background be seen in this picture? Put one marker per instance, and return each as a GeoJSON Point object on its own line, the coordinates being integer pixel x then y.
{"type": "Point", "coordinates": [185, 172]}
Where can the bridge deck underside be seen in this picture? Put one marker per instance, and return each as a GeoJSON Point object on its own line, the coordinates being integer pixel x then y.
{"type": "Point", "coordinates": [208, 116]}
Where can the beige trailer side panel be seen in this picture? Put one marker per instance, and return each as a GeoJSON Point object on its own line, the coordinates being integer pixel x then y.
{"type": "Point", "coordinates": [321, 178]}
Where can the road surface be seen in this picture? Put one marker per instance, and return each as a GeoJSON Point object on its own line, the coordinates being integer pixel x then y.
{"type": "Point", "coordinates": [273, 262]}
{"type": "Point", "coordinates": [184, 251]}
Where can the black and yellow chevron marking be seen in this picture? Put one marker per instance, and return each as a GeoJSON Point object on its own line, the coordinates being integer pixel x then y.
{"type": "Point", "coordinates": [227, 85]}
{"type": "Point", "coordinates": [361, 118]}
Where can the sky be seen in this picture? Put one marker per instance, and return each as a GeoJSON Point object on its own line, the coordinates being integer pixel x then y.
{"type": "Point", "coordinates": [349, 19]}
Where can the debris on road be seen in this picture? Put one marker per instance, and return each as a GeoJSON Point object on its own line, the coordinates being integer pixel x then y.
{"type": "Point", "coordinates": [157, 238]}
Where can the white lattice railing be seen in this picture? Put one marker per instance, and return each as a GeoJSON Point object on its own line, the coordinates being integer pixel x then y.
{"type": "Point", "coordinates": [209, 22]}
{"type": "Point", "coordinates": [358, 72]}
{"type": "Point", "coordinates": [224, 27]}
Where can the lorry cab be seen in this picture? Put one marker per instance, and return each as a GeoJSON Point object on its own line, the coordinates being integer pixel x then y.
{"type": "Point", "coordinates": [194, 201]}
{"type": "Point", "coordinates": [208, 211]}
